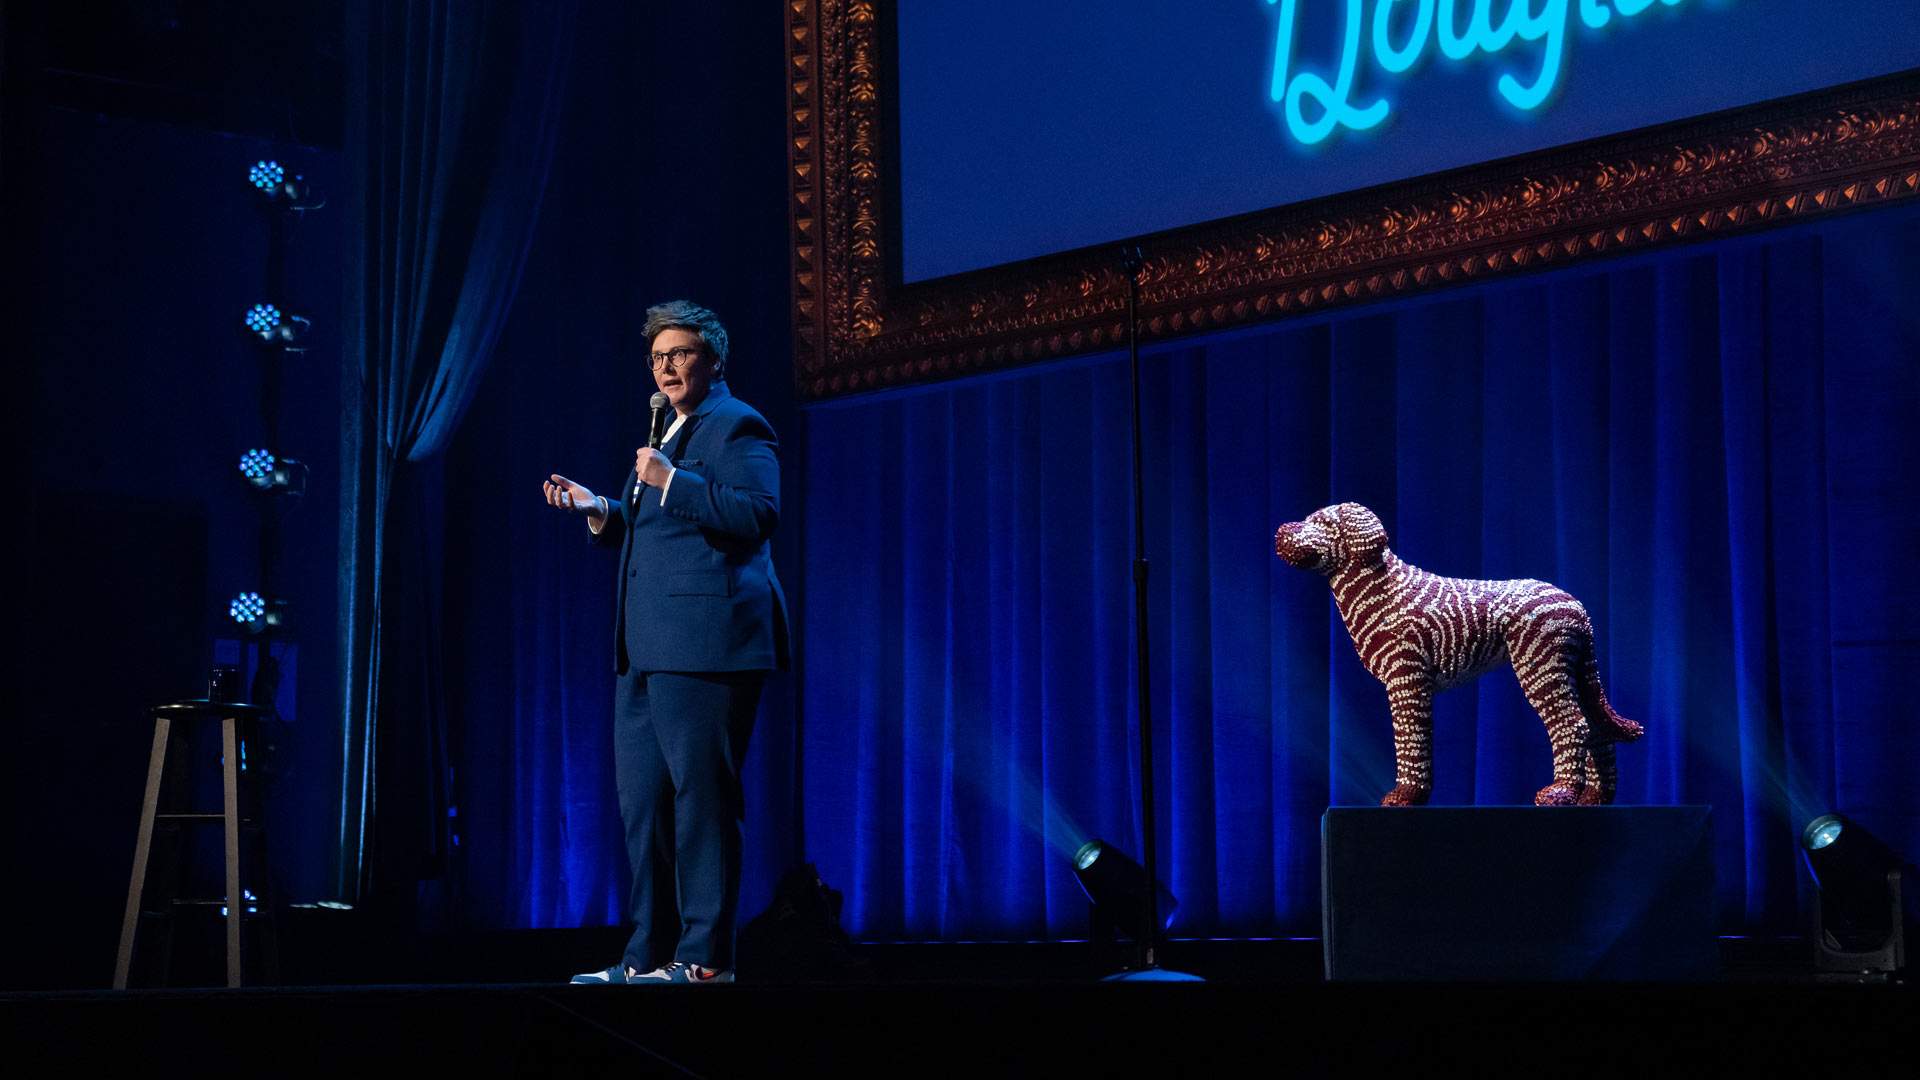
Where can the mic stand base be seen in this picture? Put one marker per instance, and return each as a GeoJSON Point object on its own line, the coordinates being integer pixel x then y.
{"type": "Point", "coordinates": [1146, 968]}
{"type": "Point", "coordinates": [1151, 974]}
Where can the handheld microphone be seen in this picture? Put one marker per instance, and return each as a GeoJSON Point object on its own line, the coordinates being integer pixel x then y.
{"type": "Point", "coordinates": [656, 432]}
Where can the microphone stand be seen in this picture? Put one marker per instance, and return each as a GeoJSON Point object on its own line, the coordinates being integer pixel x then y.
{"type": "Point", "coordinates": [1147, 947]}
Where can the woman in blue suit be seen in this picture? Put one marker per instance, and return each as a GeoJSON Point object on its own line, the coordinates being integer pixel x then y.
{"type": "Point", "coordinates": [699, 621]}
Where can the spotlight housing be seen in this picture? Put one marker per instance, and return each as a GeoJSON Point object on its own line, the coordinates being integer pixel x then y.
{"type": "Point", "coordinates": [1858, 923]}
{"type": "Point", "coordinates": [257, 614]}
{"type": "Point", "coordinates": [276, 327]}
{"type": "Point", "coordinates": [273, 475]}
{"type": "Point", "coordinates": [1117, 886]}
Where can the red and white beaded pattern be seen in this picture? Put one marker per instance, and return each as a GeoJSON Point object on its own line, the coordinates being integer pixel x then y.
{"type": "Point", "coordinates": [1420, 633]}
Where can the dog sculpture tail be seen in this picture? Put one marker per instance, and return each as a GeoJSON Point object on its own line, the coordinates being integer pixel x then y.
{"type": "Point", "coordinates": [1605, 724]}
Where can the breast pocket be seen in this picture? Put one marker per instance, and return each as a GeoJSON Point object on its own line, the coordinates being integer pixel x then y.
{"type": "Point", "coordinates": [703, 583]}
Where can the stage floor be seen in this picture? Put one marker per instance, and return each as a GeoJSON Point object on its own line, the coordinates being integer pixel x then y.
{"type": "Point", "coordinates": [953, 1029]}
{"type": "Point", "coordinates": [952, 1009]}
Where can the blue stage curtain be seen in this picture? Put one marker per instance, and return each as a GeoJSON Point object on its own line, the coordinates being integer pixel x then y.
{"type": "Point", "coordinates": [451, 119]}
{"type": "Point", "coordinates": [1710, 447]}
{"type": "Point", "coordinates": [528, 614]}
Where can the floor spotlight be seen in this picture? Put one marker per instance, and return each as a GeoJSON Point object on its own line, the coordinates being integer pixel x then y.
{"type": "Point", "coordinates": [273, 475]}
{"type": "Point", "coordinates": [1858, 925]}
{"type": "Point", "coordinates": [1117, 885]}
{"type": "Point", "coordinates": [256, 614]}
{"type": "Point", "coordinates": [275, 327]}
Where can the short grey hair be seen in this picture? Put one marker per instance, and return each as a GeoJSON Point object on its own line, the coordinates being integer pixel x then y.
{"type": "Point", "coordinates": [689, 316]}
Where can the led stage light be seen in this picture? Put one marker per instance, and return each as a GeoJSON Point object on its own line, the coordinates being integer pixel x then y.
{"type": "Point", "coordinates": [257, 614]}
{"type": "Point", "coordinates": [1858, 924]}
{"type": "Point", "coordinates": [1117, 885]}
{"type": "Point", "coordinates": [274, 326]}
{"type": "Point", "coordinates": [276, 186]}
{"type": "Point", "coordinates": [271, 474]}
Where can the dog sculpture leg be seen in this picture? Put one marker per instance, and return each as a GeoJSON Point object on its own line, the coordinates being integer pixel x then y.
{"type": "Point", "coordinates": [1552, 696]}
{"type": "Point", "coordinates": [1607, 726]}
{"type": "Point", "coordinates": [1411, 700]}
{"type": "Point", "coordinates": [1603, 776]}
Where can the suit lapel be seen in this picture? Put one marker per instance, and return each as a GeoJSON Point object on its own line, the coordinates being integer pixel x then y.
{"type": "Point", "coordinates": [684, 438]}
{"type": "Point", "coordinates": [679, 448]}
{"type": "Point", "coordinates": [676, 450]}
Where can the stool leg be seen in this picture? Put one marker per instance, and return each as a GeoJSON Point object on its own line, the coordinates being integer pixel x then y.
{"type": "Point", "coordinates": [142, 848]}
{"type": "Point", "coordinates": [263, 944]}
{"type": "Point", "coordinates": [230, 796]}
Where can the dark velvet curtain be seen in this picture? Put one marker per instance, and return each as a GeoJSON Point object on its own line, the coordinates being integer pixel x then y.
{"type": "Point", "coordinates": [452, 112]}
{"type": "Point", "coordinates": [1712, 448]}
{"type": "Point", "coordinates": [663, 186]}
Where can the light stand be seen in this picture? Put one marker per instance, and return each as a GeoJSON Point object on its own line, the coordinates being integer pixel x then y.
{"type": "Point", "coordinates": [1147, 944]}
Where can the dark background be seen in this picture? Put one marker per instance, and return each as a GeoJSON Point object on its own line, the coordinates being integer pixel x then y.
{"type": "Point", "coordinates": [133, 248]}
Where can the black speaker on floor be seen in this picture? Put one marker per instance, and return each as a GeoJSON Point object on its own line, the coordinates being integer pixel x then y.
{"type": "Point", "coordinates": [1518, 893]}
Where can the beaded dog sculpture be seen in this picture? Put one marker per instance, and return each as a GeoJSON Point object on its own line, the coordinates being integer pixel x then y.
{"type": "Point", "coordinates": [1420, 633]}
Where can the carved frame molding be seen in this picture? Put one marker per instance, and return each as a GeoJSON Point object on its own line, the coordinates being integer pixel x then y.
{"type": "Point", "coordinates": [856, 330]}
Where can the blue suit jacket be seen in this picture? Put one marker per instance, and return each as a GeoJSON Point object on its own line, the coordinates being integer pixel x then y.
{"type": "Point", "coordinates": [696, 589]}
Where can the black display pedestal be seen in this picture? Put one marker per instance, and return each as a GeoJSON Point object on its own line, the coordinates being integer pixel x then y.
{"type": "Point", "coordinates": [1518, 893]}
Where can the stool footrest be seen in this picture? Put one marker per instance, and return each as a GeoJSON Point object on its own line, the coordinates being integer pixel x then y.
{"type": "Point", "coordinates": [255, 910]}
{"type": "Point", "coordinates": [211, 818]}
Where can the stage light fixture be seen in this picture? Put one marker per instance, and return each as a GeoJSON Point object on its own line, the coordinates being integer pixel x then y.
{"type": "Point", "coordinates": [1117, 886]}
{"type": "Point", "coordinates": [263, 319]}
{"type": "Point", "coordinates": [274, 184]}
{"type": "Point", "coordinates": [1858, 925]}
{"type": "Point", "coordinates": [247, 607]}
{"type": "Point", "coordinates": [1823, 831]}
{"type": "Point", "coordinates": [257, 467]}
{"type": "Point", "coordinates": [255, 613]}
{"type": "Point", "coordinates": [276, 327]}
{"type": "Point", "coordinates": [273, 475]}
{"type": "Point", "coordinates": [266, 176]}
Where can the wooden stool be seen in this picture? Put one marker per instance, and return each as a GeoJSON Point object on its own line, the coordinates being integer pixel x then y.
{"type": "Point", "coordinates": [168, 783]}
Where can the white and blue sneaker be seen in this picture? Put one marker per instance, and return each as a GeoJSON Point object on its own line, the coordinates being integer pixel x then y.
{"type": "Point", "coordinates": [680, 972]}
{"type": "Point", "coordinates": [616, 975]}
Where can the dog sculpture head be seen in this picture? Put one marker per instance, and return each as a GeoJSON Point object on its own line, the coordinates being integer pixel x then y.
{"type": "Point", "coordinates": [1332, 539]}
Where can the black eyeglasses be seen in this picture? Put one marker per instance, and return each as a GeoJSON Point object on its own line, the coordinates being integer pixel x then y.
{"type": "Point", "coordinates": [678, 358]}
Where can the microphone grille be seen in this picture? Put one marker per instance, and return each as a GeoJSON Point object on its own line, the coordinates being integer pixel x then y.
{"type": "Point", "coordinates": [657, 401]}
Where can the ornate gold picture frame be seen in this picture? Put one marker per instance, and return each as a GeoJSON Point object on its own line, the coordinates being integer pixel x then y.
{"type": "Point", "coordinates": [857, 329]}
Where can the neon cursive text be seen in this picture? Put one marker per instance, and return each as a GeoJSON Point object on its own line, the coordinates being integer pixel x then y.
{"type": "Point", "coordinates": [1436, 25]}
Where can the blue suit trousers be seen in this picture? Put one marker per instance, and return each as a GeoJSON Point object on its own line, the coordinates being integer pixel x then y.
{"type": "Point", "coordinates": [679, 740]}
